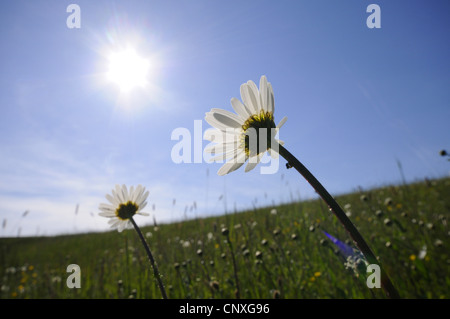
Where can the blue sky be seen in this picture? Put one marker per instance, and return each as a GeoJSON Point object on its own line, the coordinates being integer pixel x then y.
{"type": "Point", "coordinates": [357, 100]}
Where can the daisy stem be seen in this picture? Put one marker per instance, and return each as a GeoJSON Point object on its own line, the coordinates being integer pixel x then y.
{"type": "Point", "coordinates": [150, 257]}
{"type": "Point", "coordinates": [342, 217]}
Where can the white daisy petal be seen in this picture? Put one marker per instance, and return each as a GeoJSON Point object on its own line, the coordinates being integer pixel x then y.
{"type": "Point", "coordinates": [125, 193]}
{"type": "Point", "coordinates": [214, 123]}
{"type": "Point", "coordinates": [109, 215]}
{"type": "Point", "coordinates": [253, 162]}
{"type": "Point", "coordinates": [281, 123]}
{"type": "Point", "coordinates": [119, 194]}
{"type": "Point", "coordinates": [240, 109]}
{"type": "Point", "coordinates": [142, 206]}
{"type": "Point", "coordinates": [228, 168]}
{"type": "Point", "coordinates": [220, 148]}
{"type": "Point", "coordinates": [138, 194]}
{"type": "Point", "coordinates": [142, 199]}
{"type": "Point", "coordinates": [106, 208]}
{"type": "Point", "coordinates": [264, 93]}
{"type": "Point", "coordinates": [121, 227]}
{"type": "Point", "coordinates": [115, 197]}
{"type": "Point", "coordinates": [143, 214]}
{"type": "Point", "coordinates": [112, 199]}
{"type": "Point", "coordinates": [218, 136]}
{"type": "Point", "coordinates": [224, 156]}
{"type": "Point", "coordinates": [271, 103]}
{"type": "Point", "coordinates": [245, 96]}
{"type": "Point", "coordinates": [249, 97]}
{"type": "Point", "coordinates": [254, 95]}
{"type": "Point", "coordinates": [144, 196]}
{"type": "Point", "coordinates": [114, 222]}
{"type": "Point", "coordinates": [232, 165]}
{"type": "Point", "coordinates": [134, 193]}
{"type": "Point", "coordinates": [227, 118]}
{"type": "Point", "coordinates": [131, 194]}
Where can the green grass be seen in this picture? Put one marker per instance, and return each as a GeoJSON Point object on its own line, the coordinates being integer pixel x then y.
{"type": "Point", "coordinates": [295, 258]}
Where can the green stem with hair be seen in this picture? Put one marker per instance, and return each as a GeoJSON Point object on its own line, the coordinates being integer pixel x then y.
{"type": "Point", "coordinates": [150, 258]}
{"type": "Point", "coordinates": [386, 283]}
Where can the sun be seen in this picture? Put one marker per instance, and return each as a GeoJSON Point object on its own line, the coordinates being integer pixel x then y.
{"type": "Point", "coordinates": [128, 70]}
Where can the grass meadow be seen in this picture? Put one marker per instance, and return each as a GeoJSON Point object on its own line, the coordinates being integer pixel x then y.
{"type": "Point", "coordinates": [279, 252]}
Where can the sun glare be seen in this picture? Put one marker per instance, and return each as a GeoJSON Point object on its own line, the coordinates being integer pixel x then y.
{"type": "Point", "coordinates": [128, 70]}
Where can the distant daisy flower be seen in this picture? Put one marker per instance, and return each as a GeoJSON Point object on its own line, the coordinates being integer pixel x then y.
{"type": "Point", "coordinates": [123, 205]}
{"type": "Point", "coordinates": [235, 133]}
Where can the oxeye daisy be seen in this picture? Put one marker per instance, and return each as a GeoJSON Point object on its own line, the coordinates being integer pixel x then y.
{"type": "Point", "coordinates": [124, 205]}
{"type": "Point", "coordinates": [248, 133]}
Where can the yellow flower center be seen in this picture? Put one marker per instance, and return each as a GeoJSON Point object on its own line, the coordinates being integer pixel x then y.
{"type": "Point", "coordinates": [261, 123]}
{"type": "Point", "coordinates": [127, 210]}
